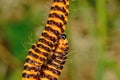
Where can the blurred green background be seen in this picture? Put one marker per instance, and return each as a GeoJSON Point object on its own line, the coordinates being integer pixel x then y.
{"type": "Point", "coordinates": [93, 31]}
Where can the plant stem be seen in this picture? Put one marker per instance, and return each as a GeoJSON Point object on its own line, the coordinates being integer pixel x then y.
{"type": "Point", "coordinates": [102, 36]}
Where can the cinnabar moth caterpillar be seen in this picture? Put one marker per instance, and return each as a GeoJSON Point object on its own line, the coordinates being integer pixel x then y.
{"type": "Point", "coordinates": [54, 66]}
{"type": "Point", "coordinates": [40, 51]}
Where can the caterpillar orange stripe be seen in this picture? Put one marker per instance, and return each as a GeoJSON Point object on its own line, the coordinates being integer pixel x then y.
{"type": "Point", "coordinates": [54, 66]}
{"type": "Point", "coordinates": [40, 52]}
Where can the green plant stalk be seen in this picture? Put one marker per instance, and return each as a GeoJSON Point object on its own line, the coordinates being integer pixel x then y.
{"type": "Point", "coordinates": [102, 36]}
{"type": "Point", "coordinates": [101, 18]}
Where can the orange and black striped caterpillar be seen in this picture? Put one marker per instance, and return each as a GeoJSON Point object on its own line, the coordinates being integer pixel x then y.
{"type": "Point", "coordinates": [54, 66]}
{"type": "Point", "coordinates": [43, 49]}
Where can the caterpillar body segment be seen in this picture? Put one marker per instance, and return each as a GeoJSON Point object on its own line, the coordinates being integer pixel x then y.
{"type": "Point", "coordinates": [37, 55]}
{"type": "Point", "coordinates": [57, 18]}
{"type": "Point", "coordinates": [54, 66]}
